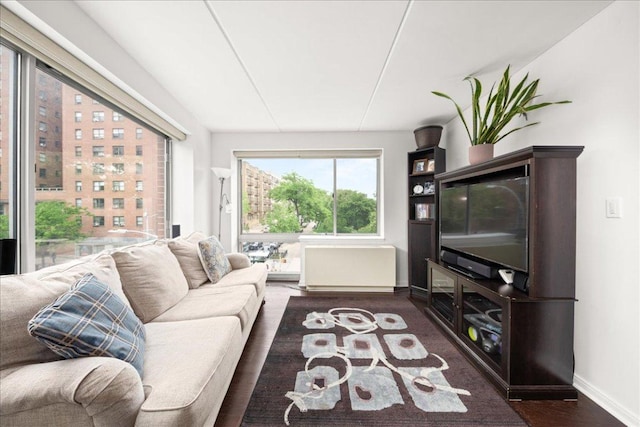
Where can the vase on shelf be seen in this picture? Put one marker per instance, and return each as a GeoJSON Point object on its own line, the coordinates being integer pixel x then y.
{"type": "Point", "coordinates": [428, 136]}
{"type": "Point", "coordinates": [480, 153]}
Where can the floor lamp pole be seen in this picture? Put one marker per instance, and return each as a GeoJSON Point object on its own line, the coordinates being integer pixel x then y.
{"type": "Point", "coordinates": [220, 209]}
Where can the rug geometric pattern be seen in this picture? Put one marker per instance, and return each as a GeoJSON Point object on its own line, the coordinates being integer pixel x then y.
{"type": "Point", "coordinates": [371, 361]}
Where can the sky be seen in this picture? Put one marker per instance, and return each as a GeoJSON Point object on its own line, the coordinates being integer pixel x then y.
{"type": "Point", "coordinates": [353, 174]}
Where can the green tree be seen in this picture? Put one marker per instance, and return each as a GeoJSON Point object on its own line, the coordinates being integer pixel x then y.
{"type": "Point", "coordinates": [309, 203]}
{"type": "Point", "coordinates": [245, 211]}
{"type": "Point", "coordinates": [4, 226]}
{"type": "Point", "coordinates": [282, 219]}
{"type": "Point", "coordinates": [59, 220]}
{"type": "Point", "coordinates": [373, 224]}
{"type": "Point", "coordinates": [354, 211]}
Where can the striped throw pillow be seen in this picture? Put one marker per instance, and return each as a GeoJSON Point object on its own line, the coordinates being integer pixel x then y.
{"type": "Point", "coordinates": [90, 320]}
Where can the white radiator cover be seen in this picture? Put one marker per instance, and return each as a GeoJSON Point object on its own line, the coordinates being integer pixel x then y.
{"type": "Point", "coordinates": [363, 268]}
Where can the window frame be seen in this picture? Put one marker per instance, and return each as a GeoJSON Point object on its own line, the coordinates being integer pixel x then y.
{"type": "Point", "coordinates": [98, 186]}
{"type": "Point", "coordinates": [240, 239]}
{"type": "Point", "coordinates": [97, 151]}
{"type": "Point", "coordinates": [97, 168]}
{"type": "Point", "coordinates": [117, 203]}
{"type": "Point", "coordinates": [117, 186]}
{"type": "Point", "coordinates": [32, 55]}
{"type": "Point", "coordinates": [97, 133]}
{"type": "Point", "coordinates": [118, 168]}
{"type": "Point", "coordinates": [97, 116]}
{"type": "Point", "coordinates": [117, 133]}
{"type": "Point", "coordinates": [335, 154]}
{"type": "Point", "coordinates": [98, 203]}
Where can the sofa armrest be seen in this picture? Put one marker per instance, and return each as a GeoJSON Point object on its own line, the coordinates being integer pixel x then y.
{"type": "Point", "coordinates": [109, 390]}
{"type": "Point", "coordinates": [238, 260]}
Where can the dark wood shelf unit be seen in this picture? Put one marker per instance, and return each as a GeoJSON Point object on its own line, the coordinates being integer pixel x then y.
{"type": "Point", "coordinates": [522, 341]}
{"type": "Point", "coordinates": [422, 233]}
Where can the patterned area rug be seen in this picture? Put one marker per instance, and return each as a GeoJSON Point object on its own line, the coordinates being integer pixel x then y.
{"type": "Point", "coordinates": [370, 361]}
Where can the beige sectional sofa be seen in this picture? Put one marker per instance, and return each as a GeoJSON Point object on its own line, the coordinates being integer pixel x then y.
{"type": "Point", "coordinates": [195, 334]}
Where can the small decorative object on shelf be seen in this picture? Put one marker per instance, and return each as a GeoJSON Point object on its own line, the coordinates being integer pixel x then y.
{"type": "Point", "coordinates": [422, 211]}
{"type": "Point", "coordinates": [428, 136]}
{"type": "Point", "coordinates": [418, 189]}
{"type": "Point", "coordinates": [431, 165]}
{"type": "Point", "coordinates": [420, 166]}
{"type": "Point", "coordinates": [429, 188]}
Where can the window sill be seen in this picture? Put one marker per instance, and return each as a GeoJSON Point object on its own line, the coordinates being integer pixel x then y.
{"type": "Point", "coordinates": [328, 239]}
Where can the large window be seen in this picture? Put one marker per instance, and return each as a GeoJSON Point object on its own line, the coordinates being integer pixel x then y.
{"type": "Point", "coordinates": [52, 205]}
{"type": "Point", "coordinates": [59, 177]}
{"type": "Point", "coordinates": [322, 193]}
{"type": "Point", "coordinates": [58, 168]}
{"type": "Point", "coordinates": [8, 101]}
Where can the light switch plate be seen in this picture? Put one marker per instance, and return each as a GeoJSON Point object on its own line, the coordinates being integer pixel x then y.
{"type": "Point", "coordinates": [614, 207]}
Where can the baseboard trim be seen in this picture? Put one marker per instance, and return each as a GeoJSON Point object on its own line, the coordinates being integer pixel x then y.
{"type": "Point", "coordinates": [611, 406]}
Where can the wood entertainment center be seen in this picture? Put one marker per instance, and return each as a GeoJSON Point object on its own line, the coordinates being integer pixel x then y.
{"type": "Point", "coordinates": [522, 340]}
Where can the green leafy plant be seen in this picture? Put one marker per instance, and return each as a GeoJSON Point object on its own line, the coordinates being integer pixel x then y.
{"type": "Point", "coordinates": [501, 107]}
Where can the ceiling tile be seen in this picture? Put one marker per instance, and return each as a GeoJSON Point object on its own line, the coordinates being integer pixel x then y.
{"type": "Point", "coordinates": [313, 62]}
{"type": "Point", "coordinates": [442, 42]}
{"type": "Point", "coordinates": [180, 44]}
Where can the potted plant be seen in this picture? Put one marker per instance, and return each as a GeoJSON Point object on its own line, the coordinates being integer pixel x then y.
{"type": "Point", "coordinates": [502, 105]}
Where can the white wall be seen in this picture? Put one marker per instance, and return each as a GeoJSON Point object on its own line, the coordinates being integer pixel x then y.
{"type": "Point", "coordinates": [597, 67]}
{"type": "Point", "coordinates": [190, 171]}
{"type": "Point", "coordinates": [395, 146]}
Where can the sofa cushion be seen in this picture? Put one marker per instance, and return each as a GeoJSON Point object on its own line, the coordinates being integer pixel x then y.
{"type": "Point", "coordinates": [256, 275]}
{"type": "Point", "coordinates": [238, 260]}
{"type": "Point", "coordinates": [21, 297]}
{"type": "Point", "coordinates": [90, 320]}
{"type": "Point", "coordinates": [214, 301]}
{"type": "Point", "coordinates": [187, 369]}
{"type": "Point", "coordinates": [213, 259]}
{"type": "Point", "coordinates": [186, 251]}
{"type": "Point", "coordinates": [151, 278]}
{"type": "Point", "coordinates": [102, 266]}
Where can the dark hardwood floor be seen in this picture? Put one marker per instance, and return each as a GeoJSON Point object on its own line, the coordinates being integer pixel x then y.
{"type": "Point", "coordinates": [542, 413]}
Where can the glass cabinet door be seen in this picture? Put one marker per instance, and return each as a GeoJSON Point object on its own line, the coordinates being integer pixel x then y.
{"type": "Point", "coordinates": [482, 323]}
{"type": "Point", "coordinates": [442, 294]}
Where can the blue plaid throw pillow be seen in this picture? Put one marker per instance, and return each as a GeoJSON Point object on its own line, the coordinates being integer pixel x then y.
{"type": "Point", "coordinates": [90, 320]}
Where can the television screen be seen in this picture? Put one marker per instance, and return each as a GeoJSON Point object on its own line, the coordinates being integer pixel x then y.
{"type": "Point", "coordinates": [488, 220]}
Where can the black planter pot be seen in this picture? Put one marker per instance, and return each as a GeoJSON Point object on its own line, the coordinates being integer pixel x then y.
{"type": "Point", "coordinates": [428, 136]}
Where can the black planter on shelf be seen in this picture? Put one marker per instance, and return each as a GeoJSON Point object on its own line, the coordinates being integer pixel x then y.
{"type": "Point", "coordinates": [428, 136]}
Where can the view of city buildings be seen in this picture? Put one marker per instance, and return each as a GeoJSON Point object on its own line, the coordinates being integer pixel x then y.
{"type": "Point", "coordinates": [6, 117]}
{"type": "Point", "coordinates": [256, 185]}
{"type": "Point", "coordinates": [88, 156]}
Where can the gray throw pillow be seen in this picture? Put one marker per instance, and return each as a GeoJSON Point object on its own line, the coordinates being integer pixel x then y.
{"type": "Point", "coordinates": [213, 259]}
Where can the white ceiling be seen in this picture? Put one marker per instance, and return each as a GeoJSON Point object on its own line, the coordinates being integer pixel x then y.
{"type": "Point", "coordinates": [331, 65]}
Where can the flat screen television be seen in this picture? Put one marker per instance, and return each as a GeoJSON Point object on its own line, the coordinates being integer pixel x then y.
{"type": "Point", "coordinates": [488, 220]}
